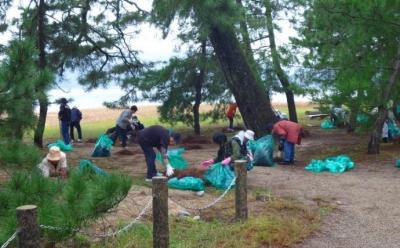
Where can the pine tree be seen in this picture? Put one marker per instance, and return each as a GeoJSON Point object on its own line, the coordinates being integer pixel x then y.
{"type": "Point", "coordinates": [18, 83]}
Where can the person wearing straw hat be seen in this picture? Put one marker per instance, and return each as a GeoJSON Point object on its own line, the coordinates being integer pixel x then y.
{"type": "Point", "coordinates": [54, 164]}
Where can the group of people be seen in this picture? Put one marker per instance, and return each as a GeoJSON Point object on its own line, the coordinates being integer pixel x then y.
{"type": "Point", "coordinates": [69, 119]}
{"type": "Point", "coordinates": [156, 137]}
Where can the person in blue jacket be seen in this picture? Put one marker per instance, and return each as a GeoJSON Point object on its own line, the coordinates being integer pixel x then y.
{"type": "Point", "coordinates": [76, 117]}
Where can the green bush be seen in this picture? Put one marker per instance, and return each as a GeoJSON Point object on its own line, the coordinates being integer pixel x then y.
{"type": "Point", "coordinates": [15, 153]}
{"type": "Point", "coordinates": [69, 204]}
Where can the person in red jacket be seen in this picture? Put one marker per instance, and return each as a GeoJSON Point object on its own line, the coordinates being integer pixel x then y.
{"type": "Point", "coordinates": [291, 132]}
{"type": "Point", "coordinates": [230, 114]}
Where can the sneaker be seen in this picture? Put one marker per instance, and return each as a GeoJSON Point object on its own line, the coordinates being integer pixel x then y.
{"type": "Point", "coordinates": [79, 141]}
{"type": "Point", "coordinates": [148, 180]}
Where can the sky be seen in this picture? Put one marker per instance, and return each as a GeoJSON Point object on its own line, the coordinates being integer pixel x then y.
{"type": "Point", "coordinates": [151, 47]}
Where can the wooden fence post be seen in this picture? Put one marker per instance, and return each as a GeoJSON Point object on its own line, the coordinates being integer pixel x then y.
{"type": "Point", "coordinates": [28, 227]}
{"type": "Point", "coordinates": [160, 213]}
{"type": "Point", "coordinates": [241, 190]}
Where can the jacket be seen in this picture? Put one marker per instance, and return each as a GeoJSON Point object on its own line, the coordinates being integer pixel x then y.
{"type": "Point", "coordinates": [65, 113]}
{"type": "Point", "coordinates": [289, 130]}
{"type": "Point", "coordinates": [76, 115]}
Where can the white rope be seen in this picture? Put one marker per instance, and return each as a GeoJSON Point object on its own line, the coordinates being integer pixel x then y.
{"type": "Point", "coordinates": [110, 234]}
{"type": "Point", "coordinates": [9, 240]}
{"type": "Point", "coordinates": [187, 207]}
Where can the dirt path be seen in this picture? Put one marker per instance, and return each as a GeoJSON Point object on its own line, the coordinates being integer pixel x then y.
{"type": "Point", "coordinates": [367, 198]}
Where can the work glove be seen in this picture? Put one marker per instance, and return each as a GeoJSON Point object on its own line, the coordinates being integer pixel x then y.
{"type": "Point", "coordinates": [170, 170]}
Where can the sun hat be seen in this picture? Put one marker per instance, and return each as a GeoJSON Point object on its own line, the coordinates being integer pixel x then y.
{"type": "Point", "coordinates": [248, 134]}
{"type": "Point", "coordinates": [54, 153]}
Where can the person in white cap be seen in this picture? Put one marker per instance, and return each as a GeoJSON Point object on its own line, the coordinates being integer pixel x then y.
{"type": "Point", "coordinates": [54, 164]}
{"type": "Point", "coordinates": [237, 145]}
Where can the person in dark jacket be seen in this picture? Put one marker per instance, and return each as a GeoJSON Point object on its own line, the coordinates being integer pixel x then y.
{"type": "Point", "coordinates": [160, 138]}
{"type": "Point", "coordinates": [64, 115]}
{"type": "Point", "coordinates": [76, 117]}
{"type": "Point", "coordinates": [221, 140]}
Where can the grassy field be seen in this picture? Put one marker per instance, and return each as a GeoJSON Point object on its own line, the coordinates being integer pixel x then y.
{"type": "Point", "coordinates": [97, 121]}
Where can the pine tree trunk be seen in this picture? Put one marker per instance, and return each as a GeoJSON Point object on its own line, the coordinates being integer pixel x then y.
{"type": "Point", "coordinates": [198, 86]}
{"type": "Point", "coordinates": [43, 104]}
{"type": "Point", "coordinates": [252, 99]}
{"type": "Point", "coordinates": [352, 119]}
{"type": "Point", "coordinates": [376, 134]}
{"type": "Point", "coordinates": [283, 78]}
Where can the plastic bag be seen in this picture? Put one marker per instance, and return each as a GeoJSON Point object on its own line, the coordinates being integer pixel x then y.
{"type": "Point", "coordinates": [103, 146]}
{"type": "Point", "coordinates": [219, 176]}
{"type": "Point", "coordinates": [175, 158]}
{"type": "Point", "coordinates": [362, 118]}
{"type": "Point", "coordinates": [398, 163]}
{"type": "Point", "coordinates": [63, 147]}
{"type": "Point", "coordinates": [186, 183]}
{"type": "Point", "coordinates": [262, 150]}
{"type": "Point", "coordinates": [338, 164]}
{"type": "Point", "coordinates": [88, 165]}
{"type": "Point", "coordinates": [327, 124]}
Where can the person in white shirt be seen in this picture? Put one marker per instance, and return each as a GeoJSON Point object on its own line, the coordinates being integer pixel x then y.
{"type": "Point", "coordinates": [54, 164]}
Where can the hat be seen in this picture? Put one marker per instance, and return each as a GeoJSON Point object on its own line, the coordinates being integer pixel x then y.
{"type": "Point", "coordinates": [248, 134]}
{"type": "Point", "coordinates": [54, 153]}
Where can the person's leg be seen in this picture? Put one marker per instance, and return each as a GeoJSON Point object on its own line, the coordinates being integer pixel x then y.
{"type": "Point", "coordinates": [71, 131]}
{"type": "Point", "coordinates": [150, 156]}
{"type": "Point", "coordinates": [230, 122]}
{"type": "Point", "coordinates": [65, 131]}
{"type": "Point", "coordinates": [288, 151]}
{"type": "Point", "coordinates": [292, 153]}
{"type": "Point", "coordinates": [122, 135]}
{"type": "Point", "coordinates": [78, 127]}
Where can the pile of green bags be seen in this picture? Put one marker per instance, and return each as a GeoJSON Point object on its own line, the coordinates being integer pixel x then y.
{"type": "Point", "coordinates": [175, 158]}
{"type": "Point", "coordinates": [63, 147]}
{"type": "Point", "coordinates": [262, 150]}
{"type": "Point", "coordinates": [327, 124]}
{"type": "Point", "coordinates": [338, 164]}
{"type": "Point", "coordinates": [103, 146]}
{"type": "Point", "coordinates": [186, 183]}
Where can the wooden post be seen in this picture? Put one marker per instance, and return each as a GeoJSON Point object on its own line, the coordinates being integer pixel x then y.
{"type": "Point", "coordinates": [28, 227]}
{"type": "Point", "coordinates": [160, 213]}
{"type": "Point", "coordinates": [241, 190]}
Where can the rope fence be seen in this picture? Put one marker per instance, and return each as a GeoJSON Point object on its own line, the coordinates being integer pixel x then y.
{"type": "Point", "coordinates": [28, 228]}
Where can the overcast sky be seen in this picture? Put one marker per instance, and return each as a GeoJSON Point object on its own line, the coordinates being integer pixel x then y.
{"type": "Point", "coordinates": [151, 47]}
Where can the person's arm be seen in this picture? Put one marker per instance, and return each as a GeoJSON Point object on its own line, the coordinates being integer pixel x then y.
{"type": "Point", "coordinates": [61, 112]}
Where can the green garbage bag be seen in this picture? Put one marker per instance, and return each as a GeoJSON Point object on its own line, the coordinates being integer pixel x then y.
{"type": "Point", "coordinates": [175, 158]}
{"type": "Point", "coordinates": [327, 124]}
{"type": "Point", "coordinates": [362, 118]}
{"type": "Point", "coordinates": [262, 150]}
{"type": "Point", "coordinates": [88, 165]}
{"type": "Point", "coordinates": [338, 164]}
{"type": "Point", "coordinates": [103, 146]}
{"type": "Point", "coordinates": [219, 176]}
{"type": "Point", "coordinates": [63, 147]}
{"type": "Point", "coordinates": [398, 163]}
{"type": "Point", "coordinates": [186, 183]}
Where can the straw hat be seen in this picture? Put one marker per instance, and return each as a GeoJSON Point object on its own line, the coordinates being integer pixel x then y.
{"type": "Point", "coordinates": [54, 154]}
{"type": "Point", "coordinates": [248, 134]}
